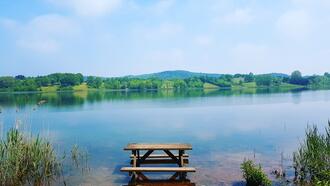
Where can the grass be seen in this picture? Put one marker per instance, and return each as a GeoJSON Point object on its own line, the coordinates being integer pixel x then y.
{"type": "Point", "coordinates": [253, 174]}
{"type": "Point", "coordinates": [53, 88]}
{"type": "Point", "coordinates": [250, 85]}
{"type": "Point", "coordinates": [209, 86]}
{"type": "Point", "coordinates": [312, 159]}
{"type": "Point", "coordinates": [31, 160]}
{"type": "Point", "coordinates": [81, 87]}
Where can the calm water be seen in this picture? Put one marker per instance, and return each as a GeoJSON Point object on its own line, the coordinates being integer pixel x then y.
{"type": "Point", "coordinates": [224, 127]}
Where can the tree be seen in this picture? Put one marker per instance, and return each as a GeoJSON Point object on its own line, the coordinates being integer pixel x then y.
{"type": "Point", "coordinates": [249, 78]}
{"type": "Point", "coordinates": [7, 82]}
{"type": "Point", "coordinates": [264, 80]}
{"type": "Point", "coordinates": [20, 77]}
{"type": "Point", "coordinates": [296, 78]}
{"type": "Point", "coordinates": [94, 82]}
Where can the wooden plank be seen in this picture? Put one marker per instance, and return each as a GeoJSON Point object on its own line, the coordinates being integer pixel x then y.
{"type": "Point", "coordinates": [163, 156]}
{"type": "Point", "coordinates": [158, 169]}
{"type": "Point", "coordinates": [160, 161]}
{"type": "Point", "coordinates": [143, 146]}
{"type": "Point", "coordinates": [169, 153]}
{"type": "Point", "coordinates": [146, 155]}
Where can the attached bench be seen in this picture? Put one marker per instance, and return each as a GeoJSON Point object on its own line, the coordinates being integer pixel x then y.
{"type": "Point", "coordinates": [158, 169]}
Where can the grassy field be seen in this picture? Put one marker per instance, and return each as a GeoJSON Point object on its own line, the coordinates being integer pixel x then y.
{"type": "Point", "coordinates": [50, 88]}
{"type": "Point", "coordinates": [210, 86]}
{"type": "Point", "coordinates": [82, 87]}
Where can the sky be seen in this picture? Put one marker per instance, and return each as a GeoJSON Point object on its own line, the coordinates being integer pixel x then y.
{"type": "Point", "coordinates": [125, 37]}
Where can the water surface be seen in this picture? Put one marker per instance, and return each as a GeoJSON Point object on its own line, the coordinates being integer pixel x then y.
{"type": "Point", "coordinates": [223, 126]}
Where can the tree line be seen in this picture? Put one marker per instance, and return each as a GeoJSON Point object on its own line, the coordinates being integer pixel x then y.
{"type": "Point", "coordinates": [65, 81]}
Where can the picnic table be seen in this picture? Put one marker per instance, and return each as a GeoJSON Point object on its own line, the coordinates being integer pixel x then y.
{"type": "Point", "coordinates": [144, 154]}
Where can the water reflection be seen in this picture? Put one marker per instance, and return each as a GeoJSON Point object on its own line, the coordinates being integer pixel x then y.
{"type": "Point", "coordinates": [183, 182]}
{"type": "Point", "coordinates": [65, 99]}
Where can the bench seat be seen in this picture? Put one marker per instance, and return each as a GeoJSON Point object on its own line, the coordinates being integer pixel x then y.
{"type": "Point", "coordinates": [163, 156]}
{"type": "Point", "coordinates": [158, 169]}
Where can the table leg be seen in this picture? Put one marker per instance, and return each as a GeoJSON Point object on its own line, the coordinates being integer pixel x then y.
{"type": "Point", "coordinates": [134, 158]}
{"type": "Point", "coordinates": [181, 152]}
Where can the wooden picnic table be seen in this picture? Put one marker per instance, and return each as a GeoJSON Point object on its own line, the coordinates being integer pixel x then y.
{"type": "Point", "coordinates": [144, 154]}
{"type": "Point", "coordinates": [139, 159]}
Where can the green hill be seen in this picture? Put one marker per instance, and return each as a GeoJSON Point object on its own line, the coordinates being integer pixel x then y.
{"type": "Point", "coordinates": [175, 74]}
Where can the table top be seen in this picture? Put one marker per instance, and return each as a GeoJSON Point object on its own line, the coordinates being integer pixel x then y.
{"type": "Point", "coordinates": [159, 146]}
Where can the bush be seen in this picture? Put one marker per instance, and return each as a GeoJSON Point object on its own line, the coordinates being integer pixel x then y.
{"type": "Point", "coordinates": [253, 174]}
{"type": "Point", "coordinates": [30, 160]}
{"type": "Point", "coordinates": [312, 160]}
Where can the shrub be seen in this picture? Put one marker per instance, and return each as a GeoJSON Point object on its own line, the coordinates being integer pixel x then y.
{"type": "Point", "coordinates": [312, 160]}
{"type": "Point", "coordinates": [30, 160]}
{"type": "Point", "coordinates": [253, 174]}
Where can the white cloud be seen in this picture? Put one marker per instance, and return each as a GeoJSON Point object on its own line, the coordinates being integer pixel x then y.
{"type": "Point", "coordinates": [159, 32]}
{"type": "Point", "coordinates": [8, 23]}
{"type": "Point", "coordinates": [162, 6]}
{"type": "Point", "coordinates": [44, 33]}
{"type": "Point", "coordinates": [248, 55]}
{"type": "Point", "coordinates": [295, 24]}
{"type": "Point", "coordinates": [203, 40]}
{"type": "Point", "coordinates": [239, 16]}
{"type": "Point", "coordinates": [89, 7]}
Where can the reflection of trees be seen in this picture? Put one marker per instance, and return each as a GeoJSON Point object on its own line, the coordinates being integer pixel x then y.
{"type": "Point", "coordinates": [59, 99]}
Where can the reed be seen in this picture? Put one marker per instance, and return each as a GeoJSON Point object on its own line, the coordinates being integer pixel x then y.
{"type": "Point", "coordinates": [29, 160]}
{"type": "Point", "coordinates": [312, 159]}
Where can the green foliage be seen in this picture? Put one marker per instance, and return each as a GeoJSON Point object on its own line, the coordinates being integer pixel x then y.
{"type": "Point", "coordinates": [296, 78]}
{"type": "Point", "coordinates": [94, 82]}
{"type": "Point", "coordinates": [66, 81]}
{"type": "Point", "coordinates": [7, 82]}
{"type": "Point", "coordinates": [312, 160]}
{"type": "Point", "coordinates": [30, 160]}
{"type": "Point", "coordinates": [249, 78]}
{"type": "Point", "coordinates": [253, 174]}
{"type": "Point", "coordinates": [264, 80]}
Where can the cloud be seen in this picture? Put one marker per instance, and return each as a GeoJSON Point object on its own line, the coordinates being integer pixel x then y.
{"type": "Point", "coordinates": [89, 7]}
{"type": "Point", "coordinates": [249, 55]}
{"type": "Point", "coordinates": [159, 32]}
{"type": "Point", "coordinates": [8, 23]}
{"type": "Point", "coordinates": [239, 16]}
{"type": "Point", "coordinates": [42, 34]}
{"type": "Point", "coordinates": [203, 40]}
{"type": "Point", "coordinates": [162, 6]}
{"type": "Point", "coordinates": [295, 24]}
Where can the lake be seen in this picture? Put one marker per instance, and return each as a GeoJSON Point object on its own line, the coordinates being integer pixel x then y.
{"type": "Point", "coordinates": [223, 126]}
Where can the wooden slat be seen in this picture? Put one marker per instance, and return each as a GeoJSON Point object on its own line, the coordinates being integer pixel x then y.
{"type": "Point", "coordinates": [160, 161]}
{"type": "Point", "coordinates": [163, 156]}
{"type": "Point", "coordinates": [158, 169]}
{"type": "Point", "coordinates": [169, 153]}
{"type": "Point", "coordinates": [141, 146]}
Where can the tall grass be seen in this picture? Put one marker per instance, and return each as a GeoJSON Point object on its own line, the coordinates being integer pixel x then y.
{"type": "Point", "coordinates": [312, 160]}
{"type": "Point", "coordinates": [29, 160]}
{"type": "Point", "coordinates": [254, 175]}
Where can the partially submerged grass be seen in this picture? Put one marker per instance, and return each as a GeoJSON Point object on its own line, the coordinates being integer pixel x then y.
{"type": "Point", "coordinates": [254, 175]}
{"type": "Point", "coordinates": [312, 160]}
{"type": "Point", "coordinates": [30, 160]}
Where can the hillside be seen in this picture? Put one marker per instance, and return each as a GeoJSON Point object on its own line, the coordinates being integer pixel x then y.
{"type": "Point", "coordinates": [175, 74]}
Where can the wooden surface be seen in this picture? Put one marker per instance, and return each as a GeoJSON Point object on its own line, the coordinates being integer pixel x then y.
{"type": "Point", "coordinates": [163, 156]}
{"type": "Point", "coordinates": [141, 146]}
{"type": "Point", "coordinates": [159, 161]}
{"type": "Point", "coordinates": [158, 169]}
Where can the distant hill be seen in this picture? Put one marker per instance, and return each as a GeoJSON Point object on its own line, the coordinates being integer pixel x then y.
{"type": "Point", "coordinates": [175, 74]}
{"type": "Point", "coordinates": [183, 74]}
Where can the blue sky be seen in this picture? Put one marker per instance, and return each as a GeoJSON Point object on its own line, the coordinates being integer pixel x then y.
{"type": "Point", "coordinates": [121, 37]}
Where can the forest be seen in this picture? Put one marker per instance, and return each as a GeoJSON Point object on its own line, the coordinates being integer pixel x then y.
{"type": "Point", "coordinates": [76, 81]}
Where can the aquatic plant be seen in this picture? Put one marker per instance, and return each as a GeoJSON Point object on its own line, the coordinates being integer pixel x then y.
{"type": "Point", "coordinates": [29, 160]}
{"type": "Point", "coordinates": [254, 175]}
{"type": "Point", "coordinates": [312, 159]}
